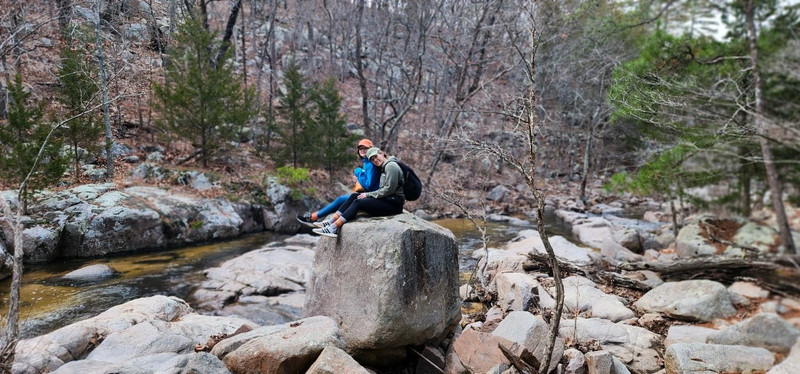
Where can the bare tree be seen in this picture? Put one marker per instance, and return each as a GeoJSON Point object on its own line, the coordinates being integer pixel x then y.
{"type": "Point", "coordinates": [749, 9]}
{"type": "Point", "coordinates": [528, 125]}
{"type": "Point", "coordinates": [98, 32]}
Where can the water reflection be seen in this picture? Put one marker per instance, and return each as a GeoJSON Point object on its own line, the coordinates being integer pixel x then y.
{"type": "Point", "coordinates": [49, 302]}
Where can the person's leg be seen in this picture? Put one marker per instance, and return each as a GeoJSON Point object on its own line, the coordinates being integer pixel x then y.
{"type": "Point", "coordinates": [382, 207]}
{"type": "Point", "coordinates": [352, 197]}
{"type": "Point", "coordinates": [330, 208]}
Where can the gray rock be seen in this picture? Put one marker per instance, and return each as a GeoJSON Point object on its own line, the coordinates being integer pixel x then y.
{"type": "Point", "coordinates": [713, 358]}
{"type": "Point", "coordinates": [98, 367]}
{"type": "Point", "coordinates": [138, 328]}
{"type": "Point", "coordinates": [597, 232]}
{"type": "Point", "coordinates": [515, 291]}
{"type": "Point", "coordinates": [507, 219]}
{"type": "Point", "coordinates": [131, 159]}
{"type": "Point", "coordinates": [634, 346]}
{"type": "Point", "coordinates": [401, 271]}
{"type": "Point", "coordinates": [287, 348]}
{"type": "Point", "coordinates": [789, 365]}
{"type": "Point", "coordinates": [576, 363]}
{"type": "Point", "coordinates": [88, 14]}
{"type": "Point", "coordinates": [528, 241]}
{"type": "Point", "coordinates": [155, 157]}
{"type": "Point", "coordinates": [700, 300]}
{"type": "Point", "coordinates": [581, 295]}
{"type": "Point", "coordinates": [531, 332]}
{"type": "Point", "coordinates": [765, 330]}
{"type": "Point", "coordinates": [749, 290]}
{"type": "Point", "coordinates": [40, 243]}
{"type": "Point", "coordinates": [758, 236]}
{"type": "Point", "coordinates": [690, 242]}
{"type": "Point", "coordinates": [267, 271]}
{"type": "Point", "coordinates": [91, 273]}
{"type": "Point", "coordinates": [687, 334]}
{"type": "Point", "coordinates": [599, 362]}
{"type": "Point", "coordinates": [283, 215]}
{"type": "Point", "coordinates": [333, 360]}
{"type": "Point", "coordinates": [498, 193]}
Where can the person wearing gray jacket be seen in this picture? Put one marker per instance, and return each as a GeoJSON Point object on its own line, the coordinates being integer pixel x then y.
{"type": "Point", "coordinates": [387, 200]}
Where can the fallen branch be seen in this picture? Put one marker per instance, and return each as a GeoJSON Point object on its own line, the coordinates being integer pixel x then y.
{"type": "Point", "coordinates": [779, 274]}
{"type": "Point", "coordinates": [595, 273]}
{"type": "Point", "coordinates": [525, 362]}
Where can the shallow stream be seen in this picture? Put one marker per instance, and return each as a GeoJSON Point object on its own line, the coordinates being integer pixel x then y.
{"type": "Point", "coordinates": [48, 302]}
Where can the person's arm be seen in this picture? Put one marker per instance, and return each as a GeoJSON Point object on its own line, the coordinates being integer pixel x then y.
{"type": "Point", "coordinates": [390, 183]}
{"type": "Point", "coordinates": [369, 177]}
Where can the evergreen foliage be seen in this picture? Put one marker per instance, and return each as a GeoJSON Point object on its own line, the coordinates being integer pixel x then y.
{"type": "Point", "coordinates": [78, 93]}
{"type": "Point", "coordinates": [202, 101]}
{"type": "Point", "coordinates": [20, 141]}
{"type": "Point", "coordinates": [334, 141]}
{"type": "Point", "coordinates": [298, 133]}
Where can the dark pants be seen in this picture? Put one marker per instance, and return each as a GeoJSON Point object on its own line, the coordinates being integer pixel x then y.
{"type": "Point", "coordinates": [385, 206]}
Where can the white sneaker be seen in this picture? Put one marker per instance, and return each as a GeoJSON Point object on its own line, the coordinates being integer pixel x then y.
{"type": "Point", "coordinates": [322, 224]}
{"type": "Point", "coordinates": [329, 230]}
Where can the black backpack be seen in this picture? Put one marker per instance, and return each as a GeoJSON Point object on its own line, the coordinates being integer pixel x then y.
{"type": "Point", "coordinates": [412, 186]}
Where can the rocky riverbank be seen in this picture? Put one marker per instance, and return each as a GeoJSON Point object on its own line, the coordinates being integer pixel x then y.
{"type": "Point", "coordinates": [614, 321]}
{"type": "Point", "coordinates": [98, 219]}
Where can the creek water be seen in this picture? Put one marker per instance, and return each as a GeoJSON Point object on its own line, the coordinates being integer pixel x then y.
{"type": "Point", "coordinates": [48, 302]}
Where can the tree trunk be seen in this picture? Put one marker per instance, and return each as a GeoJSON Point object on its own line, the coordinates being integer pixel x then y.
{"type": "Point", "coordinates": [779, 274]}
{"type": "Point", "coordinates": [104, 90]}
{"type": "Point", "coordinates": [744, 183]}
{"type": "Point", "coordinates": [362, 80]}
{"type": "Point", "coordinates": [12, 322]}
{"type": "Point", "coordinates": [586, 156]}
{"type": "Point", "coordinates": [64, 14]}
{"type": "Point", "coordinates": [761, 128]}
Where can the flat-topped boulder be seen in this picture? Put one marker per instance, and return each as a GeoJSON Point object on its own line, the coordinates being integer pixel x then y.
{"type": "Point", "coordinates": [389, 282]}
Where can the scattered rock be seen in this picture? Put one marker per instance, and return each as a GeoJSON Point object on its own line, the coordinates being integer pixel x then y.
{"type": "Point", "coordinates": [765, 330]}
{"type": "Point", "coordinates": [687, 334]}
{"type": "Point", "coordinates": [531, 332]}
{"type": "Point", "coordinates": [333, 360]}
{"type": "Point", "coordinates": [791, 364]}
{"type": "Point", "coordinates": [91, 273]}
{"type": "Point", "coordinates": [289, 348]}
{"type": "Point", "coordinates": [714, 358]}
{"type": "Point", "coordinates": [700, 300]}
{"type": "Point", "coordinates": [581, 295]}
{"type": "Point", "coordinates": [749, 290]}
{"type": "Point", "coordinates": [515, 291]}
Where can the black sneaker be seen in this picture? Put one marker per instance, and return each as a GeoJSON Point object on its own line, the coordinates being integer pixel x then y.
{"type": "Point", "coordinates": [305, 219]}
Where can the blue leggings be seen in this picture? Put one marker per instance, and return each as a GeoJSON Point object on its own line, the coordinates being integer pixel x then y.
{"type": "Point", "coordinates": [332, 207]}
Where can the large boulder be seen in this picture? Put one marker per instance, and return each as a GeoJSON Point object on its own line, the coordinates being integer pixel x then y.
{"type": "Point", "coordinates": [695, 300]}
{"type": "Point", "coordinates": [389, 282]}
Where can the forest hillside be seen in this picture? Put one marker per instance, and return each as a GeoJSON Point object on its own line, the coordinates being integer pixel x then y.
{"type": "Point", "coordinates": [634, 97]}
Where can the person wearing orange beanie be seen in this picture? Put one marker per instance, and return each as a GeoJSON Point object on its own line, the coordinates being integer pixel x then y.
{"type": "Point", "coordinates": [367, 179]}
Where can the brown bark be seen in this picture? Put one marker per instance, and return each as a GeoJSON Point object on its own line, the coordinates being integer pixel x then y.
{"type": "Point", "coordinates": [761, 127]}
{"type": "Point", "coordinates": [779, 274]}
{"type": "Point", "coordinates": [362, 80]}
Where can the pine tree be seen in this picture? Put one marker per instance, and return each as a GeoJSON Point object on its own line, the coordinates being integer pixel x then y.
{"type": "Point", "coordinates": [294, 126]}
{"type": "Point", "coordinates": [77, 93]}
{"type": "Point", "coordinates": [202, 100]}
{"type": "Point", "coordinates": [20, 141]}
{"type": "Point", "coordinates": [333, 140]}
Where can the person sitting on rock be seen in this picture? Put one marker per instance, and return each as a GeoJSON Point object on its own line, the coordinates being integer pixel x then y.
{"type": "Point", "coordinates": [366, 178]}
{"type": "Point", "coordinates": [386, 201]}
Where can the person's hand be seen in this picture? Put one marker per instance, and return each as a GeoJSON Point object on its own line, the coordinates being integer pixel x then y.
{"type": "Point", "coordinates": [361, 196]}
